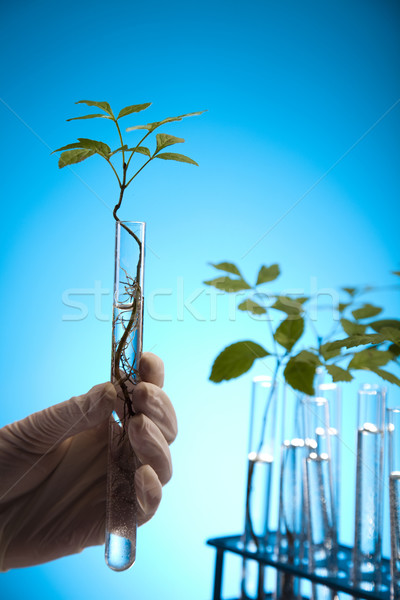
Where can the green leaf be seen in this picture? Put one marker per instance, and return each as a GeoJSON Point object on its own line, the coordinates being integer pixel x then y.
{"type": "Point", "coordinates": [228, 285]}
{"type": "Point", "coordinates": [366, 311]}
{"type": "Point", "coordinates": [236, 360]}
{"type": "Point", "coordinates": [289, 332]}
{"type": "Point", "coordinates": [98, 147]}
{"type": "Point", "coordinates": [124, 148]}
{"type": "Point", "coordinates": [289, 305]}
{"type": "Point", "coordinates": [370, 358]}
{"type": "Point", "coordinates": [343, 305]}
{"type": "Point", "coordinates": [89, 117]}
{"type": "Point", "coordinates": [252, 307]}
{"type": "Point", "coordinates": [327, 353]}
{"type": "Point", "coordinates": [102, 105]}
{"type": "Point", "coordinates": [268, 274]}
{"type": "Point", "coordinates": [356, 340]}
{"type": "Point", "coordinates": [300, 371]}
{"type": "Point", "coordinates": [349, 290]}
{"type": "Point", "coordinates": [394, 349]}
{"type": "Point", "coordinates": [386, 376]}
{"type": "Point", "coordinates": [152, 126]}
{"type": "Point", "coordinates": [178, 157]}
{"type": "Point", "coordinates": [396, 273]}
{"type": "Point", "coordinates": [164, 140]}
{"type": "Point", "coordinates": [141, 150]}
{"type": "Point", "coordinates": [383, 323]}
{"type": "Point", "coordinates": [352, 328]}
{"type": "Point", "coordinates": [68, 147]}
{"type": "Point", "coordinates": [338, 374]}
{"type": "Point", "coordinates": [391, 334]}
{"type": "Point", "coordinates": [228, 267]}
{"type": "Point", "coordinates": [134, 108]}
{"type": "Point", "coordinates": [71, 157]}
{"type": "Point", "coordinates": [149, 127]}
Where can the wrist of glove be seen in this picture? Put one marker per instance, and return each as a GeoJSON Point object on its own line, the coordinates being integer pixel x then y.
{"type": "Point", "coordinates": [53, 468]}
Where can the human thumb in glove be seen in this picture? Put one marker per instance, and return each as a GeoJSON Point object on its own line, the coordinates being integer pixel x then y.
{"type": "Point", "coordinates": [53, 469]}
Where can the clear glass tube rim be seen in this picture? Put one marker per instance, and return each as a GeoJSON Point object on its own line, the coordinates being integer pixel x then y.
{"type": "Point", "coordinates": [327, 386]}
{"type": "Point", "coordinates": [314, 400]}
{"type": "Point", "coordinates": [263, 381]}
{"type": "Point", "coordinates": [138, 227]}
{"type": "Point", "coordinates": [262, 378]}
{"type": "Point", "coordinates": [392, 410]}
{"type": "Point", "coordinates": [369, 386]}
{"type": "Point", "coordinates": [371, 405]}
{"type": "Point", "coordinates": [132, 222]}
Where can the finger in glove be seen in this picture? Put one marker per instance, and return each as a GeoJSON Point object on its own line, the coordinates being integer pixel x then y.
{"type": "Point", "coordinates": [148, 493]}
{"type": "Point", "coordinates": [151, 369]}
{"type": "Point", "coordinates": [150, 446]}
{"type": "Point", "coordinates": [152, 401]}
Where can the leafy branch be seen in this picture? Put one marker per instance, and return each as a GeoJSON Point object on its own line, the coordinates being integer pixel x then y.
{"type": "Point", "coordinates": [368, 344]}
{"type": "Point", "coordinates": [120, 161]}
{"type": "Point", "coordinates": [85, 147]}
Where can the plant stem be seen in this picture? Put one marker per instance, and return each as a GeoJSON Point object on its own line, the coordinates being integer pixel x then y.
{"type": "Point", "coordinates": [120, 348]}
{"type": "Point", "coordinates": [122, 142]}
{"type": "Point", "coordinates": [249, 521]}
{"type": "Point", "coordinates": [113, 168]}
{"type": "Point", "coordinates": [137, 146]}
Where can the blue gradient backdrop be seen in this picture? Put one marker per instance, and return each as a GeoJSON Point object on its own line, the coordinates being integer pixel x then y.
{"type": "Point", "coordinates": [299, 164]}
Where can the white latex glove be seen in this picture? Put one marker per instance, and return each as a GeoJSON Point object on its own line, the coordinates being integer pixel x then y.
{"type": "Point", "coordinates": [53, 469]}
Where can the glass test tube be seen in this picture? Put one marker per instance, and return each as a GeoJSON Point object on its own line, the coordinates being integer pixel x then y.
{"type": "Point", "coordinates": [369, 480]}
{"type": "Point", "coordinates": [321, 517]}
{"type": "Point", "coordinates": [262, 465]}
{"type": "Point", "coordinates": [291, 531]}
{"type": "Point", "coordinates": [393, 433]}
{"type": "Point", "coordinates": [333, 394]}
{"type": "Point", "coordinates": [121, 503]}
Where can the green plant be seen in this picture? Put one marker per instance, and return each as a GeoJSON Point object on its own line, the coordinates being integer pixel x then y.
{"type": "Point", "coordinates": [295, 361]}
{"type": "Point", "coordinates": [123, 369]}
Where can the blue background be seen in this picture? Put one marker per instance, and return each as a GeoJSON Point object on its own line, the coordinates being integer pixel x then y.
{"type": "Point", "coordinates": [299, 164]}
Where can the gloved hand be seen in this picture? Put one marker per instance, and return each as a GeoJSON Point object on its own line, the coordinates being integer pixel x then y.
{"type": "Point", "coordinates": [53, 469]}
